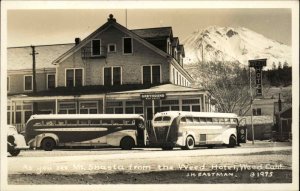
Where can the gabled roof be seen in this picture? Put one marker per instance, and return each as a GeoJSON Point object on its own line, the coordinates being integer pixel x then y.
{"type": "Point", "coordinates": [158, 32]}
{"type": "Point", "coordinates": [19, 58]}
{"type": "Point", "coordinates": [109, 23]}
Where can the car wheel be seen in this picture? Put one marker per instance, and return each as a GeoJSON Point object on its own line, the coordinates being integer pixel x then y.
{"type": "Point", "coordinates": [48, 144]}
{"type": "Point", "coordinates": [232, 142]}
{"type": "Point", "coordinates": [127, 143]}
{"type": "Point", "coordinates": [189, 143]}
{"type": "Point", "coordinates": [14, 152]}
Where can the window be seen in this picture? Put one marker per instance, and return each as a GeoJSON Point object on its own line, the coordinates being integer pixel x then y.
{"type": "Point", "coordinates": [67, 108]}
{"type": "Point", "coordinates": [74, 77]}
{"type": "Point", "coordinates": [155, 74]}
{"type": "Point", "coordinates": [151, 74]}
{"type": "Point", "coordinates": [96, 47]}
{"type": "Point", "coordinates": [88, 108]}
{"type": "Point", "coordinates": [28, 86]}
{"type": "Point", "coordinates": [50, 81]}
{"type": "Point", "coordinates": [127, 45]}
{"type": "Point", "coordinates": [146, 74]}
{"type": "Point", "coordinates": [112, 76]}
{"type": "Point", "coordinates": [256, 111]}
{"type": "Point", "coordinates": [117, 76]}
{"type": "Point", "coordinates": [111, 48]}
{"type": "Point", "coordinates": [134, 107]}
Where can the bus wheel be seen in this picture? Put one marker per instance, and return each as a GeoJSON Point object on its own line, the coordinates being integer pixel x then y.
{"type": "Point", "coordinates": [14, 152]}
{"type": "Point", "coordinates": [189, 143]}
{"type": "Point", "coordinates": [48, 144]}
{"type": "Point", "coordinates": [127, 143]}
{"type": "Point", "coordinates": [232, 141]}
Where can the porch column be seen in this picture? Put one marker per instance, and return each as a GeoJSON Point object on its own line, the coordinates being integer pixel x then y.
{"type": "Point", "coordinates": [56, 106]}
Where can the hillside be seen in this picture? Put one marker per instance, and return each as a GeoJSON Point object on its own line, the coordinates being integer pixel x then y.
{"type": "Point", "coordinates": [234, 45]}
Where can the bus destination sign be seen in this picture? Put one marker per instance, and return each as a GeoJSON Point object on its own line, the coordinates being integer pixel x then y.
{"type": "Point", "coordinates": [155, 96]}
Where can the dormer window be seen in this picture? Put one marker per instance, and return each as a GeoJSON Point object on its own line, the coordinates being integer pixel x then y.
{"type": "Point", "coordinates": [127, 45]}
{"type": "Point", "coordinates": [169, 48]}
{"type": "Point", "coordinates": [96, 47]}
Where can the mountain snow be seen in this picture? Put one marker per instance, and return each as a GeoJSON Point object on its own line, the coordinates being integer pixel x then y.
{"type": "Point", "coordinates": [237, 44]}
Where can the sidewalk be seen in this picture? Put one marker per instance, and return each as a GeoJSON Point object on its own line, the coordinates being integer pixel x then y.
{"type": "Point", "coordinates": [266, 143]}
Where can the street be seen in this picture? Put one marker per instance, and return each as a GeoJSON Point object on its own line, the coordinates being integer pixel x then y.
{"type": "Point", "coordinates": [259, 162]}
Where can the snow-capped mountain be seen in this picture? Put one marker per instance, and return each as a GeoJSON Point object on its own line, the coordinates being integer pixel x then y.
{"type": "Point", "coordinates": [234, 44]}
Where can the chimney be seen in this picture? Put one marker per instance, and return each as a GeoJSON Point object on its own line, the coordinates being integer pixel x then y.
{"type": "Point", "coordinates": [111, 18]}
{"type": "Point", "coordinates": [77, 41]}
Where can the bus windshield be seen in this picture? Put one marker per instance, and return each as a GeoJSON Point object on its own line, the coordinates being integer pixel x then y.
{"type": "Point", "coordinates": [165, 118]}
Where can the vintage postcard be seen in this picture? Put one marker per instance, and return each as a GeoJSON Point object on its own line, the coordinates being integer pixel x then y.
{"type": "Point", "coordinates": [120, 95]}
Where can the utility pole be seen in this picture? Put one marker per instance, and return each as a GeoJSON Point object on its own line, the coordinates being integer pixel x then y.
{"type": "Point", "coordinates": [251, 107]}
{"type": "Point", "coordinates": [34, 77]}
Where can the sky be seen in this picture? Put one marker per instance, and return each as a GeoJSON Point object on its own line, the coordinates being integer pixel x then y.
{"type": "Point", "coordinates": [40, 27]}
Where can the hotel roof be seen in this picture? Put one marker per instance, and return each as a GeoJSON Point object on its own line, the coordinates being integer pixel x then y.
{"type": "Point", "coordinates": [19, 58]}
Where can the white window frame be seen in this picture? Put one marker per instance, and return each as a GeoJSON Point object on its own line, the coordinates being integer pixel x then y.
{"type": "Point", "coordinates": [111, 44]}
{"type": "Point", "coordinates": [97, 106]}
{"type": "Point", "coordinates": [160, 73]}
{"type": "Point", "coordinates": [47, 83]}
{"type": "Point", "coordinates": [25, 83]}
{"type": "Point", "coordinates": [112, 74]}
{"type": "Point", "coordinates": [94, 55]}
{"type": "Point", "coordinates": [123, 46]}
{"type": "Point", "coordinates": [66, 102]}
{"type": "Point", "coordinates": [8, 84]}
{"type": "Point", "coordinates": [74, 76]}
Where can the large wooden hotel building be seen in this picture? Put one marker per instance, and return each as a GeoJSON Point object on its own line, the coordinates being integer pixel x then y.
{"type": "Point", "coordinates": [112, 70]}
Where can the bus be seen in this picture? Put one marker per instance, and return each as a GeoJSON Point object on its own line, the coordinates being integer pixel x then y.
{"type": "Point", "coordinates": [190, 129]}
{"type": "Point", "coordinates": [54, 130]}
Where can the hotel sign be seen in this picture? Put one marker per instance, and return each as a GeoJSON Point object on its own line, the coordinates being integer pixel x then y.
{"type": "Point", "coordinates": [155, 96]}
{"type": "Point", "coordinates": [258, 65]}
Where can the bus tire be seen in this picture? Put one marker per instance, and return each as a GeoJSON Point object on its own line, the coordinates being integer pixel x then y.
{"type": "Point", "coordinates": [189, 143]}
{"type": "Point", "coordinates": [232, 141]}
{"type": "Point", "coordinates": [127, 143]}
{"type": "Point", "coordinates": [48, 144]}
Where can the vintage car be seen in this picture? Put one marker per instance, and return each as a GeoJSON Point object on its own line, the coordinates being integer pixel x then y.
{"type": "Point", "coordinates": [15, 141]}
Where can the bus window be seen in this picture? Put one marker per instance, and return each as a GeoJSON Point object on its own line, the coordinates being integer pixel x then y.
{"type": "Point", "coordinates": [209, 120]}
{"type": "Point", "coordinates": [117, 121]}
{"type": "Point", "coordinates": [83, 121]}
{"type": "Point", "coordinates": [227, 120]}
{"type": "Point", "coordinates": [106, 121]}
{"type": "Point", "coordinates": [183, 120]}
{"type": "Point", "coordinates": [95, 122]}
{"type": "Point", "coordinates": [158, 119]}
{"type": "Point", "coordinates": [166, 118]}
{"type": "Point", "coordinates": [37, 123]}
{"type": "Point", "coordinates": [71, 122]}
{"type": "Point", "coordinates": [189, 119]}
{"type": "Point", "coordinates": [129, 122]}
{"type": "Point", "coordinates": [215, 120]}
{"type": "Point", "coordinates": [221, 120]}
{"type": "Point", "coordinates": [234, 121]}
{"type": "Point", "coordinates": [196, 120]}
{"type": "Point", "coordinates": [202, 120]}
{"type": "Point", "coordinates": [49, 122]}
{"type": "Point", "coordinates": [60, 122]}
